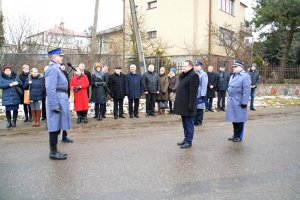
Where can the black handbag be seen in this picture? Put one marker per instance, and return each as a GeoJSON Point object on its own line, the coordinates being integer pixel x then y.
{"type": "Point", "coordinates": [163, 105]}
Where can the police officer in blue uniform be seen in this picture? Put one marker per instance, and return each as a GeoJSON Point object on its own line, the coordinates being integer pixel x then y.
{"type": "Point", "coordinates": [238, 97]}
{"type": "Point", "coordinates": [57, 102]}
{"type": "Point", "coordinates": [202, 89]}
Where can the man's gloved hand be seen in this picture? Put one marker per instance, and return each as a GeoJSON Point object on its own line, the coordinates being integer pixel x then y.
{"type": "Point", "coordinates": [56, 110]}
{"type": "Point", "coordinates": [244, 105]}
{"type": "Point", "coordinates": [202, 98]}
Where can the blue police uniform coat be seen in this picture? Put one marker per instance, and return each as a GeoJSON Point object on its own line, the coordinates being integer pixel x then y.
{"type": "Point", "coordinates": [238, 93]}
{"type": "Point", "coordinates": [56, 83]}
{"type": "Point", "coordinates": [202, 89]}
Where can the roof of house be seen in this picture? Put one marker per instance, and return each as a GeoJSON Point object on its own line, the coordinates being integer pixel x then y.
{"type": "Point", "coordinates": [111, 30]}
{"type": "Point", "coordinates": [60, 30]}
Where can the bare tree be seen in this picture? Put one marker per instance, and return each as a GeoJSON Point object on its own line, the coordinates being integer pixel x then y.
{"type": "Point", "coordinates": [233, 42]}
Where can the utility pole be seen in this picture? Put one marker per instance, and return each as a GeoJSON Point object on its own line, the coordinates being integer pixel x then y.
{"type": "Point", "coordinates": [94, 29]}
{"type": "Point", "coordinates": [137, 37]}
{"type": "Point", "coordinates": [1, 29]}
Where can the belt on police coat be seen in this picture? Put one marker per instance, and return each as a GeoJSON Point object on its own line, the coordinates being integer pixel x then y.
{"type": "Point", "coordinates": [62, 90]}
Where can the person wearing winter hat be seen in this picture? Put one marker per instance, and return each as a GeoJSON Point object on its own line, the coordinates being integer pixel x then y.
{"type": "Point", "coordinates": [202, 89]}
{"type": "Point", "coordinates": [9, 81]}
{"type": "Point", "coordinates": [237, 100]}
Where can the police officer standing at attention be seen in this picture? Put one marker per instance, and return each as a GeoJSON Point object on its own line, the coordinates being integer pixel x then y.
{"type": "Point", "coordinates": [57, 102]}
{"type": "Point", "coordinates": [239, 89]}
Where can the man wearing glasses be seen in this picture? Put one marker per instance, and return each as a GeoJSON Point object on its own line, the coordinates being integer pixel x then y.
{"type": "Point", "coordinates": [57, 102]}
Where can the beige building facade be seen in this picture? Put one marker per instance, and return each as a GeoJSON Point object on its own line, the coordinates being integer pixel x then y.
{"type": "Point", "coordinates": [184, 24]}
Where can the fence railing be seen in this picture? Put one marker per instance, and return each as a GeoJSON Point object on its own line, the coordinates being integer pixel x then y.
{"type": "Point", "coordinates": [269, 73]}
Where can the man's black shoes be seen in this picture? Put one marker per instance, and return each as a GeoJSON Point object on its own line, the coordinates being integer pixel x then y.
{"type": "Point", "coordinates": [56, 155]}
{"type": "Point", "coordinates": [185, 145]}
{"type": "Point", "coordinates": [231, 138]}
{"type": "Point", "coordinates": [181, 143]}
{"type": "Point", "coordinates": [236, 140]}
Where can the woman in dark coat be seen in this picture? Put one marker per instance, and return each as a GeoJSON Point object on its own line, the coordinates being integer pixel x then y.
{"type": "Point", "coordinates": [211, 88]}
{"type": "Point", "coordinates": [36, 86]}
{"type": "Point", "coordinates": [27, 110]}
{"type": "Point", "coordinates": [173, 84]}
{"type": "Point", "coordinates": [163, 92]}
{"type": "Point", "coordinates": [99, 90]}
{"type": "Point", "coordinates": [10, 96]}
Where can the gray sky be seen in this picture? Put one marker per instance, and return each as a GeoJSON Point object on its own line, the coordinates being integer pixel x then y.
{"type": "Point", "coordinates": [76, 14]}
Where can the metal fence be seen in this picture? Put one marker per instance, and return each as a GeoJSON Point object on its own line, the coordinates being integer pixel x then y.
{"type": "Point", "coordinates": [269, 73]}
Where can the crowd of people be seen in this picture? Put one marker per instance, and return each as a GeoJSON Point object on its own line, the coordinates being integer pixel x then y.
{"type": "Point", "coordinates": [188, 94]}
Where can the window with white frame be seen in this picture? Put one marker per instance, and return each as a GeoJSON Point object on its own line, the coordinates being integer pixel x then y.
{"type": "Point", "coordinates": [152, 34]}
{"type": "Point", "coordinates": [228, 6]}
{"type": "Point", "coordinates": [152, 4]}
{"type": "Point", "coordinates": [225, 36]}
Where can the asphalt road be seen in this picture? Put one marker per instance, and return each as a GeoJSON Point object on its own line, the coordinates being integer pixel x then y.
{"type": "Point", "coordinates": [139, 159]}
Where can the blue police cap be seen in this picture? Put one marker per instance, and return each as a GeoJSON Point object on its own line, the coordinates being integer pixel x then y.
{"type": "Point", "coordinates": [238, 63]}
{"type": "Point", "coordinates": [197, 62]}
{"type": "Point", "coordinates": [57, 51]}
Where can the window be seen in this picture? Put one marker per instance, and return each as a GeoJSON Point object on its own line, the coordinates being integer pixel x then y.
{"type": "Point", "coordinates": [227, 6]}
{"type": "Point", "coordinates": [225, 36]}
{"type": "Point", "coordinates": [152, 34]}
{"type": "Point", "coordinates": [152, 4]}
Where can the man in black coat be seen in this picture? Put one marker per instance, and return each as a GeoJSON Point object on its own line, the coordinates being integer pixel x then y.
{"type": "Point", "coordinates": [151, 89]}
{"type": "Point", "coordinates": [116, 85]}
{"type": "Point", "coordinates": [186, 102]}
{"type": "Point", "coordinates": [211, 88]}
{"type": "Point", "coordinates": [223, 80]}
{"type": "Point", "coordinates": [134, 90]}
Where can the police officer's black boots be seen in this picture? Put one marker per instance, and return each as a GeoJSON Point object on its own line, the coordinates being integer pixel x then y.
{"type": "Point", "coordinates": [54, 153]}
{"type": "Point", "coordinates": [14, 121]}
{"type": "Point", "coordinates": [8, 117]}
{"type": "Point", "coordinates": [65, 138]}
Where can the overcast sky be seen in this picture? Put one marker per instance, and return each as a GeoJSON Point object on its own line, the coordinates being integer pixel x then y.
{"type": "Point", "coordinates": [76, 14]}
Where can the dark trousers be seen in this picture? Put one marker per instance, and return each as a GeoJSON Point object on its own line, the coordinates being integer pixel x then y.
{"type": "Point", "coordinates": [44, 108]}
{"type": "Point", "coordinates": [103, 111]}
{"type": "Point", "coordinates": [134, 110]}
{"type": "Point", "coordinates": [199, 116]}
{"type": "Point", "coordinates": [100, 109]}
{"type": "Point", "coordinates": [238, 129]}
{"type": "Point", "coordinates": [188, 128]}
{"type": "Point", "coordinates": [252, 97]}
{"type": "Point", "coordinates": [27, 110]}
{"type": "Point", "coordinates": [208, 103]}
{"type": "Point", "coordinates": [221, 98]}
{"type": "Point", "coordinates": [118, 107]}
{"type": "Point", "coordinates": [171, 106]}
{"type": "Point", "coordinates": [150, 103]}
